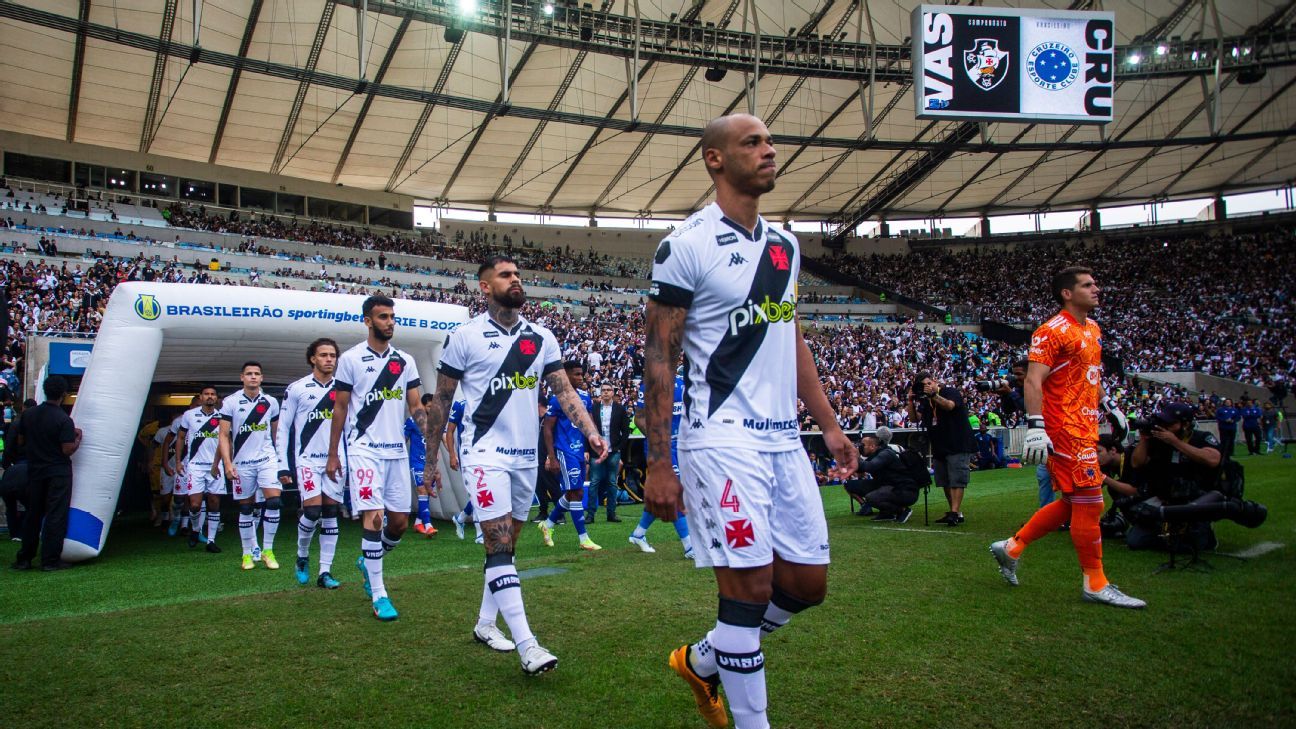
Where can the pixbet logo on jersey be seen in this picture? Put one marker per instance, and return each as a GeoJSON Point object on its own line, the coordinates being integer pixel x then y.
{"type": "Point", "coordinates": [394, 393]}
{"type": "Point", "coordinates": [254, 428]}
{"type": "Point", "coordinates": [766, 312]}
{"type": "Point", "coordinates": [515, 381]}
{"type": "Point", "coordinates": [314, 415]}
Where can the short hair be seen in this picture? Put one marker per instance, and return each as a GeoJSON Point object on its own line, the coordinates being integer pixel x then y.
{"type": "Point", "coordinates": [919, 378]}
{"type": "Point", "coordinates": [204, 388]}
{"type": "Point", "coordinates": [251, 363]}
{"type": "Point", "coordinates": [493, 261]}
{"type": "Point", "coordinates": [375, 301]}
{"type": "Point", "coordinates": [572, 364]}
{"type": "Point", "coordinates": [884, 434]}
{"type": "Point", "coordinates": [315, 345]}
{"type": "Point", "coordinates": [1109, 441]}
{"type": "Point", "coordinates": [872, 436]}
{"type": "Point", "coordinates": [1023, 363]}
{"type": "Point", "coordinates": [1065, 279]}
{"type": "Point", "coordinates": [55, 387]}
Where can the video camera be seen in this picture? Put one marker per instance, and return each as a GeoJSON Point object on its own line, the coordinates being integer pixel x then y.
{"type": "Point", "coordinates": [991, 385]}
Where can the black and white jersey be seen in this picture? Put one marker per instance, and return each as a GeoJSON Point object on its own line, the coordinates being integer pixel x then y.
{"type": "Point", "coordinates": [499, 372]}
{"type": "Point", "coordinates": [202, 433]}
{"type": "Point", "coordinates": [739, 287]}
{"type": "Point", "coordinates": [305, 420]}
{"type": "Point", "coordinates": [250, 420]}
{"type": "Point", "coordinates": [378, 383]}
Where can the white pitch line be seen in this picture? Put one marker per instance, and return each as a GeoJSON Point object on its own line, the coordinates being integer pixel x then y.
{"type": "Point", "coordinates": [1257, 550]}
{"type": "Point", "coordinates": [946, 532]}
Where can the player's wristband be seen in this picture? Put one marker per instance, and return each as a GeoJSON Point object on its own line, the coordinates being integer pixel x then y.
{"type": "Point", "coordinates": [1035, 421]}
{"type": "Point", "coordinates": [285, 474]}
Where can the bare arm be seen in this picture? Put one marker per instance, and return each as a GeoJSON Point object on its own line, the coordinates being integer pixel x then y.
{"type": "Point", "coordinates": [414, 401]}
{"type": "Point", "coordinates": [575, 410]}
{"type": "Point", "coordinates": [437, 412]}
{"type": "Point", "coordinates": [70, 448]}
{"type": "Point", "coordinates": [224, 449]}
{"type": "Point", "coordinates": [664, 327]}
{"type": "Point", "coordinates": [547, 429]}
{"type": "Point", "coordinates": [810, 390]}
{"type": "Point", "coordinates": [167, 441]}
{"type": "Point", "coordinates": [341, 403]}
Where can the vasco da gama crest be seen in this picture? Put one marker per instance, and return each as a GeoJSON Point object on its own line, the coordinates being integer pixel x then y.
{"type": "Point", "coordinates": [986, 64]}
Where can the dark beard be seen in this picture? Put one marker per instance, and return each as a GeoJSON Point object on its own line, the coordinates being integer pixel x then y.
{"type": "Point", "coordinates": [380, 335]}
{"type": "Point", "coordinates": [510, 300]}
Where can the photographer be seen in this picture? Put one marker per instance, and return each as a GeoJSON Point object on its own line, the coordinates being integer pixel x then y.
{"type": "Point", "coordinates": [884, 482]}
{"type": "Point", "coordinates": [1177, 464]}
{"type": "Point", "coordinates": [1012, 398]}
{"type": "Point", "coordinates": [944, 416]}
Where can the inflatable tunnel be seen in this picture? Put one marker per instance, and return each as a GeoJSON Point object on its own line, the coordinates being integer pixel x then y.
{"type": "Point", "coordinates": [156, 332]}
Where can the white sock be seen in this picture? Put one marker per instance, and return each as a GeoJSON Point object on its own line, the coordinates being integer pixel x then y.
{"type": "Point", "coordinates": [328, 542]}
{"type": "Point", "coordinates": [269, 527]}
{"type": "Point", "coordinates": [702, 657]}
{"type": "Point", "coordinates": [489, 610]}
{"type": "Point", "coordinates": [477, 527]}
{"type": "Point", "coordinates": [775, 618]}
{"type": "Point", "coordinates": [194, 518]}
{"type": "Point", "coordinates": [305, 533]}
{"type": "Point", "coordinates": [736, 638]}
{"type": "Point", "coordinates": [247, 532]}
{"type": "Point", "coordinates": [372, 546]}
{"type": "Point", "coordinates": [184, 521]}
{"type": "Point", "coordinates": [213, 525]}
{"type": "Point", "coordinates": [503, 583]}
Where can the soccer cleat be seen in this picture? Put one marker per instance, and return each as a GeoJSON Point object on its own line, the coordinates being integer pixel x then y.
{"type": "Point", "coordinates": [212, 548]}
{"type": "Point", "coordinates": [537, 660]}
{"type": "Point", "coordinates": [173, 528]}
{"type": "Point", "coordinates": [384, 611]}
{"type": "Point", "coordinates": [429, 530]}
{"type": "Point", "coordinates": [360, 565]}
{"type": "Point", "coordinates": [588, 544]}
{"type": "Point", "coordinates": [688, 553]}
{"type": "Point", "coordinates": [1109, 595]}
{"type": "Point", "coordinates": [418, 527]}
{"type": "Point", "coordinates": [1007, 565]}
{"type": "Point", "coordinates": [268, 557]}
{"type": "Point", "coordinates": [481, 539]}
{"type": "Point", "coordinates": [493, 638]}
{"type": "Point", "coordinates": [327, 581]}
{"type": "Point", "coordinates": [546, 534]}
{"type": "Point", "coordinates": [202, 536]}
{"type": "Point", "coordinates": [301, 572]}
{"type": "Point", "coordinates": [248, 562]}
{"type": "Point", "coordinates": [642, 544]}
{"type": "Point", "coordinates": [193, 539]}
{"type": "Point", "coordinates": [706, 691]}
{"type": "Point", "coordinates": [459, 525]}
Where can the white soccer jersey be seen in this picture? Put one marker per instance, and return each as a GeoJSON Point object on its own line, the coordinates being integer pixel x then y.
{"type": "Point", "coordinates": [499, 372]}
{"type": "Point", "coordinates": [202, 431]}
{"type": "Point", "coordinates": [250, 419]}
{"type": "Point", "coordinates": [378, 383]}
{"type": "Point", "coordinates": [305, 421]}
{"type": "Point", "coordinates": [740, 331]}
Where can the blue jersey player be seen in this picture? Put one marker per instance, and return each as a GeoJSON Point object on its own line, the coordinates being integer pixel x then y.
{"type": "Point", "coordinates": [566, 457]}
{"type": "Point", "coordinates": [417, 457]}
{"type": "Point", "coordinates": [453, 434]}
{"type": "Point", "coordinates": [639, 537]}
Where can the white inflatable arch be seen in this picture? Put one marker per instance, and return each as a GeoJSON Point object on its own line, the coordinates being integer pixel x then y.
{"type": "Point", "coordinates": [155, 332]}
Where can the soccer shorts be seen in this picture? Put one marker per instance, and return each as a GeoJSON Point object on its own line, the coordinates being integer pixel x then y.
{"type": "Point", "coordinates": [416, 476]}
{"type": "Point", "coordinates": [379, 483]}
{"type": "Point", "coordinates": [198, 480]}
{"type": "Point", "coordinates": [745, 506]}
{"type": "Point", "coordinates": [571, 470]}
{"type": "Point", "coordinates": [254, 478]}
{"type": "Point", "coordinates": [168, 483]}
{"type": "Point", "coordinates": [1074, 465]}
{"type": "Point", "coordinates": [313, 481]}
{"type": "Point", "coordinates": [499, 491]}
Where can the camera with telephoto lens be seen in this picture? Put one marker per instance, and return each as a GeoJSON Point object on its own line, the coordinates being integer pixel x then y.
{"type": "Point", "coordinates": [989, 385]}
{"type": "Point", "coordinates": [1143, 425]}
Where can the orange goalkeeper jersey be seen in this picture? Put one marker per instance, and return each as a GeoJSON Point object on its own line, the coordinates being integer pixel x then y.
{"type": "Point", "coordinates": [1073, 354]}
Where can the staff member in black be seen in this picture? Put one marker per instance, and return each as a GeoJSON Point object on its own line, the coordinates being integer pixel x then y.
{"type": "Point", "coordinates": [49, 439]}
{"type": "Point", "coordinates": [614, 425]}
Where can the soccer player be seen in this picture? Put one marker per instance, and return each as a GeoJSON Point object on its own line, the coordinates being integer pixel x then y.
{"type": "Point", "coordinates": [453, 436]}
{"type": "Point", "coordinates": [639, 537]}
{"type": "Point", "coordinates": [306, 419]}
{"type": "Point", "coordinates": [1064, 401]}
{"type": "Point", "coordinates": [417, 459]}
{"type": "Point", "coordinates": [249, 424]}
{"type": "Point", "coordinates": [383, 383]}
{"type": "Point", "coordinates": [198, 466]}
{"type": "Point", "coordinates": [566, 457]}
{"type": "Point", "coordinates": [724, 288]}
{"type": "Point", "coordinates": [500, 358]}
{"type": "Point", "coordinates": [166, 441]}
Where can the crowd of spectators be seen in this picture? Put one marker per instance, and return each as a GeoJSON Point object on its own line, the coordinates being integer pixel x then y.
{"type": "Point", "coordinates": [1222, 305]}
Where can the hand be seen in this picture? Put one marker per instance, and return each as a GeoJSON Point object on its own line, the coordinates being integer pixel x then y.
{"type": "Point", "coordinates": [600, 447]}
{"type": "Point", "coordinates": [1163, 435]}
{"type": "Point", "coordinates": [1119, 424]}
{"type": "Point", "coordinates": [285, 478]}
{"type": "Point", "coordinates": [167, 469]}
{"type": "Point", "coordinates": [551, 464]}
{"type": "Point", "coordinates": [432, 477]}
{"type": "Point", "coordinates": [231, 473]}
{"type": "Point", "coordinates": [180, 470]}
{"type": "Point", "coordinates": [1038, 445]}
{"type": "Point", "coordinates": [931, 388]}
{"type": "Point", "coordinates": [663, 492]}
{"type": "Point", "coordinates": [454, 462]}
{"type": "Point", "coordinates": [333, 468]}
{"type": "Point", "coordinates": [844, 453]}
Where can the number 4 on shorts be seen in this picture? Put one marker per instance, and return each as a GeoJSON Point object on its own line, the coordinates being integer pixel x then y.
{"type": "Point", "coordinates": [729, 500]}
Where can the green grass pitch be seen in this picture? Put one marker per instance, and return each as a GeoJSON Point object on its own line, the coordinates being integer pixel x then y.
{"type": "Point", "coordinates": [918, 630]}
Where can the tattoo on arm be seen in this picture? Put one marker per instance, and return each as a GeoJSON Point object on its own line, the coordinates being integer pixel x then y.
{"type": "Point", "coordinates": [437, 411]}
{"type": "Point", "coordinates": [665, 335]}
{"type": "Point", "coordinates": [561, 387]}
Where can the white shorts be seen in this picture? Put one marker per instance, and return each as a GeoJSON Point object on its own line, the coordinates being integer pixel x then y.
{"type": "Point", "coordinates": [379, 483]}
{"type": "Point", "coordinates": [168, 483]}
{"type": "Point", "coordinates": [745, 506]}
{"type": "Point", "coordinates": [254, 478]}
{"type": "Point", "coordinates": [499, 491]}
{"type": "Point", "coordinates": [198, 480]}
{"type": "Point", "coordinates": [313, 481]}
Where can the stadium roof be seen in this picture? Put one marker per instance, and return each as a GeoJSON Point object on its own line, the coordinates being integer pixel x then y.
{"type": "Point", "coordinates": [275, 85]}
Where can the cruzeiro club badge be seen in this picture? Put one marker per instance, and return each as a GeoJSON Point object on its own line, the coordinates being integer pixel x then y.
{"type": "Point", "coordinates": [1052, 66]}
{"type": "Point", "coordinates": [147, 307]}
{"type": "Point", "coordinates": [986, 64]}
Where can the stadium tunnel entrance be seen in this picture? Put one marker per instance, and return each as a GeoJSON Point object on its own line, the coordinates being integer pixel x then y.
{"type": "Point", "coordinates": [159, 340]}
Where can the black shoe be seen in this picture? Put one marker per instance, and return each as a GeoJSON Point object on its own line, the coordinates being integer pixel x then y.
{"type": "Point", "coordinates": [1064, 527]}
{"type": "Point", "coordinates": [614, 519]}
{"type": "Point", "coordinates": [884, 517]}
{"type": "Point", "coordinates": [950, 518]}
{"type": "Point", "coordinates": [904, 515]}
{"type": "Point", "coordinates": [193, 539]}
{"type": "Point", "coordinates": [211, 547]}
{"type": "Point", "coordinates": [955, 519]}
{"type": "Point", "coordinates": [590, 518]}
{"type": "Point", "coordinates": [55, 566]}
{"type": "Point", "coordinates": [21, 565]}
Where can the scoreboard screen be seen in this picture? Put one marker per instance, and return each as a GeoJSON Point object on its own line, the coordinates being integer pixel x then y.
{"type": "Point", "coordinates": [1015, 65]}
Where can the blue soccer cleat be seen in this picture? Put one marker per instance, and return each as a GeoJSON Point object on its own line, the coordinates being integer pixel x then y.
{"type": "Point", "coordinates": [360, 565]}
{"type": "Point", "coordinates": [173, 527]}
{"type": "Point", "coordinates": [384, 611]}
{"type": "Point", "coordinates": [303, 576]}
{"type": "Point", "coordinates": [327, 581]}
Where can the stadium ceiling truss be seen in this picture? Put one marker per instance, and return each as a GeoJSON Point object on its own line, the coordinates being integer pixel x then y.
{"type": "Point", "coordinates": [598, 108]}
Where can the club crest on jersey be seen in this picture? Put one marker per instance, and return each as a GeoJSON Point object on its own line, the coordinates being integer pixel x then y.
{"type": "Point", "coordinates": [779, 258]}
{"type": "Point", "coordinates": [261, 407]}
{"type": "Point", "coordinates": [768, 311]}
{"type": "Point", "coordinates": [985, 63]}
{"type": "Point", "coordinates": [213, 422]}
{"type": "Point", "coordinates": [394, 367]}
{"type": "Point", "coordinates": [147, 307]}
{"type": "Point", "coordinates": [332, 395]}
{"type": "Point", "coordinates": [527, 346]}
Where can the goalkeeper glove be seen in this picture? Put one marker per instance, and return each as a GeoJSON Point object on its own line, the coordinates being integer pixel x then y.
{"type": "Point", "coordinates": [1119, 424]}
{"type": "Point", "coordinates": [1038, 445]}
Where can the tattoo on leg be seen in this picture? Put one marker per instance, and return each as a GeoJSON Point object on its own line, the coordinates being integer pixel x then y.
{"type": "Point", "coordinates": [498, 535]}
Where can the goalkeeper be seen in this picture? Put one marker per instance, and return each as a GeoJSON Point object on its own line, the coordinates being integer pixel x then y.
{"type": "Point", "coordinates": [1064, 402]}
